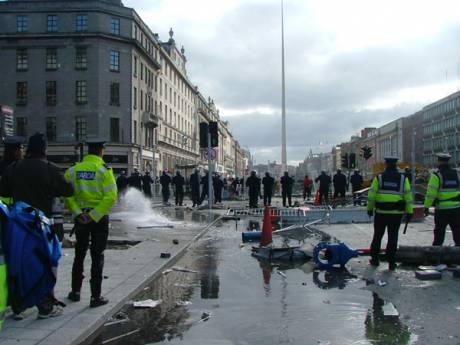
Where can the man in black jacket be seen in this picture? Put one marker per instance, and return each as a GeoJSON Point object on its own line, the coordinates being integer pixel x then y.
{"type": "Point", "coordinates": [356, 181]}
{"type": "Point", "coordinates": [195, 187]}
{"type": "Point", "coordinates": [178, 182]}
{"type": "Point", "coordinates": [36, 182]}
{"type": "Point", "coordinates": [268, 183]}
{"type": "Point", "coordinates": [340, 184]}
{"type": "Point", "coordinates": [286, 188]}
{"type": "Point", "coordinates": [122, 183]}
{"type": "Point", "coordinates": [218, 186]}
{"type": "Point", "coordinates": [253, 183]}
{"type": "Point", "coordinates": [165, 180]}
{"type": "Point", "coordinates": [146, 184]}
{"type": "Point", "coordinates": [324, 183]}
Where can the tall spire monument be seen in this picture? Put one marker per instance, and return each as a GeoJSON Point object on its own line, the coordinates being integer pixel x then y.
{"type": "Point", "coordinates": [283, 97]}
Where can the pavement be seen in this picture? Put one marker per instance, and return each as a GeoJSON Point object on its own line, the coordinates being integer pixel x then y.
{"type": "Point", "coordinates": [128, 269]}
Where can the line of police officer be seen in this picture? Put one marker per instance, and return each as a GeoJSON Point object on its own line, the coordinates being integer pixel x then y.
{"type": "Point", "coordinates": [390, 197]}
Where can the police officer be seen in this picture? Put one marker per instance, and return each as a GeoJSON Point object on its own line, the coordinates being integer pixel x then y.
{"type": "Point", "coordinates": [324, 183]}
{"type": "Point", "coordinates": [356, 181]}
{"type": "Point", "coordinates": [269, 183]}
{"type": "Point", "coordinates": [217, 185]}
{"type": "Point", "coordinates": [178, 181]}
{"type": "Point", "coordinates": [253, 184]}
{"type": "Point", "coordinates": [122, 183]}
{"type": "Point", "coordinates": [388, 198]}
{"type": "Point", "coordinates": [95, 194]}
{"type": "Point", "coordinates": [444, 192]}
{"type": "Point", "coordinates": [146, 184]}
{"type": "Point", "coordinates": [195, 187]}
{"type": "Point", "coordinates": [13, 151]}
{"type": "Point", "coordinates": [286, 188]}
{"type": "Point", "coordinates": [204, 192]}
{"type": "Point", "coordinates": [165, 181]}
{"type": "Point", "coordinates": [340, 184]}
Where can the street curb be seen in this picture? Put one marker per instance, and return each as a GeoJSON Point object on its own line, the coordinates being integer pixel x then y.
{"type": "Point", "coordinates": [90, 333]}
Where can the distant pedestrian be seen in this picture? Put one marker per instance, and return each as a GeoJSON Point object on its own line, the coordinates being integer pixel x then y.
{"type": "Point", "coordinates": [178, 182]}
{"type": "Point", "coordinates": [444, 193]}
{"type": "Point", "coordinates": [408, 174]}
{"type": "Point", "coordinates": [253, 184]}
{"type": "Point", "coordinates": [195, 187]}
{"type": "Point", "coordinates": [218, 186]}
{"type": "Point", "coordinates": [95, 194]}
{"type": "Point", "coordinates": [147, 184]}
{"type": "Point", "coordinates": [324, 183]}
{"type": "Point", "coordinates": [13, 152]}
{"type": "Point", "coordinates": [122, 183]}
{"type": "Point", "coordinates": [205, 190]}
{"type": "Point", "coordinates": [286, 188]}
{"type": "Point", "coordinates": [165, 181]}
{"type": "Point", "coordinates": [307, 187]}
{"type": "Point", "coordinates": [135, 180]}
{"type": "Point", "coordinates": [356, 181]}
{"type": "Point", "coordinates": [268, 183]}
{"type": "Point", "coordinates": [340, 184]}
{"type": "Point", "coordinates": [388, 199]}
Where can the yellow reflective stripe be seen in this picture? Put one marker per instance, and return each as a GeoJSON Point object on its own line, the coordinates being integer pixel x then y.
{"type": "Point", "coordinates": [87, 188]}
{"type": "Point", "coordinates": [110, 188]}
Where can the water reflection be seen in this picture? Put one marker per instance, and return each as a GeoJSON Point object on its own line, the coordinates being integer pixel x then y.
{"type": "Point", "coordinates": [385, 329]}
{"type": "Point", "coordinates": [333, 278]}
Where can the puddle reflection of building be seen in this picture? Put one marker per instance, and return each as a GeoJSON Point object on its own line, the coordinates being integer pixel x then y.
{"type": "Point", "coordinates": [384, 329]}
{"type": "Point", "coordinates": [207, 266]}
{"type": "Point", "coordinates": [179, 214]}
{"type": "Point", "coordinates": [333, 278]}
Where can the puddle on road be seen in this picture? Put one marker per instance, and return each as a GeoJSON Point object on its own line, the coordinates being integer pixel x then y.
{"type": "Point", "coordinates": [232, 298]}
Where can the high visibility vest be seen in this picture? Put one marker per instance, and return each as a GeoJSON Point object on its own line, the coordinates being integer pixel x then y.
{"type": "Point", "coordinates": [94, 187]}
{"type": "Point", "coordinates": [390, 194]}
{"type": "Point", "coordinates": [443, 189]}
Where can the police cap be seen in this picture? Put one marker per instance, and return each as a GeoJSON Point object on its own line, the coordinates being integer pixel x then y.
{"type": "Point", "coordinates": [391, 159]}
{"type": "Point", "coordinates": [14, 141]}
{"type": "Point", "coordinates": [96, 142]}
{"type": "Point", "coordinates": [443, 156]}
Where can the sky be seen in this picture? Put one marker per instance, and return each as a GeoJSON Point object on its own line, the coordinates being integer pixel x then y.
{"type": "Point", "coordinates": [349, 64]}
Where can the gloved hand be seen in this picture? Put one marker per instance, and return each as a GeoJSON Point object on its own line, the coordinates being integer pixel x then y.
{"type": "Point", "coordinates": [408, 217]}
{"type": "Point", "coordinates": [83, 218]}
{"type": "Point", "coordinates": [370, 213]}
{"type": "Point", "coordinates": [427, 212]}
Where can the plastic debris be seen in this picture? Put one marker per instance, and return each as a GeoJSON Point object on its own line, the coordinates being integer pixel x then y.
{"type": "Point", "coordinates": [390, 310]}
{"type": "Point", "coordinates": [175, 241]}
{"type": "Point", "coordinates": [167, 271]}
{"type": "Point", "coordinates": [148, 303]}
{"type": "Point", "coordinates": [184, 303]}
{"type": "Point", "coordinates": [281, 274]}
{"type": "Point", "coordinates": [428, 275]}
{"type": "Point", "coordinates": [186, 270]}
{"type": "Point", "coordinates": [381, 283]}
{"type": "Point", "coordinates": [165, 255]}
{"type": "Point", "coordinates": [205, 316]}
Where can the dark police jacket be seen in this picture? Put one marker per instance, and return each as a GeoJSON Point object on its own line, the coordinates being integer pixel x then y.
{"type": "Point", "coordinates": [268, 183]}
{"type": "Point", "coordinates": [253, 182]}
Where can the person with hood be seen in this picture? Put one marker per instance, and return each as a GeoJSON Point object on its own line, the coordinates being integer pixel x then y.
{"type": "Point", "coordinates": [269, 183]}
{"type": "Point", "coordinates": [135, 180]}
{"type": "Point", "coordinates": [324, 183]}
{"type": "Point", "coordinates": [195, 187]}
{"type": "Point", "coordinates": [253, 184]}
{"type": "Point", "coordinates": [147, 184]}
{"type": "Point", "coordinates": [218, 186]}
{"type": "Point", "coordinates": [165, 181]}
{"type": "Point", "coordinates": [178, 182]}
{"type": "Point", "coordinates": [122, 183]}
{"type": "Point", "coordinates": [36, 181]}
{"type": "Point", "coordinates": [286, 188]}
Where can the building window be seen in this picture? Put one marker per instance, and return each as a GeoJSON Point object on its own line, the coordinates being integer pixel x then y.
{"type": "Point", "coordinates": [52, 23]}
{"type": "Point", "coordinates": [115, 60]}
{"type": "Point", "coordinates": [115, 26]}
{"type": "Point", "coordinates": [51, 59]}
{"type": "Point", "coordinates": [135, 131]}
{"type": "Point", "coordinates": [21, 126]}
{"type": "Point", "coordinates": [81, 58]}
{"type": "Point", "coordinates": [22, 23]}
{"type": "Point", "coordinates": [81, 22]}
{"type": "Point", "coordinates": [80, 92]}
{"type": "Point", "coordinates": [135, 98]}
{"type": "Point", "coordinates": [115, 94]}
{"type": "Point", "coordinates": [21, 93]}
{"type": "Point", "coordinates": [114, 130]}
{"type": "Point", "coordinates": [21, 60]}
{"type": "Point", "coordinates": [142, 100]}
{"type": "Point", "coordinates": [51, 129]}
{"type": "Point", "coordinates": [51, 92]}
{"type": "Point", "coordinates": [80, 128]}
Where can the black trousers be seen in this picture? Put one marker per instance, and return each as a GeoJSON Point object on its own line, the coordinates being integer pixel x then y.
{"type": "Point", "coordinates": [217, 194]}
{"type": "Point", "coordinates": [323, 196]}
{"type": "Point", "coordinates": [442, 218]}
{"type": "Point", "coordinates": [287, 194]}
{"type": "Point", "coordinates": [381, 222]}
{"type": "Point", "coordinates": [98, 233]}
{"type": "Point", "coordinates": [267, 197]}
{"type": "Point", "coordinates": [306, 192]}
{"type": "Point", "coordinates": [195, 196]}
{"type": "Point", "coordinates": [253, 199]}
{"type": "Point", "coordinates": [339, 193]}
{"type": "Point", "coordinates": [165, 193]}
{"type": "Point", "coordinates": [204, 193]}
{"type": "Point", "coordinates": [356, 197]}
{"type": "Point", "coordinates": [179, 196]}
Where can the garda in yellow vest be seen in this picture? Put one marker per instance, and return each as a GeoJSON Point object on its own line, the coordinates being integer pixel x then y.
{"type": "Point", "coordinates": [94, 186]}
{"type": "Point", "coordinates": [443, 189]}
{"type": "Point", "coordinates": [390, 195]}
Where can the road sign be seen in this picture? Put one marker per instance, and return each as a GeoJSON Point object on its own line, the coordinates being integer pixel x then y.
{"type": "Point", "coordinates": [213, 154]}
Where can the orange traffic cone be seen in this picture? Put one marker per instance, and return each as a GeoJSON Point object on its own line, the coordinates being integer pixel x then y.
{"type": "Point", "coordinates": [267, 228]}
{"type": "Point", "coordinates": [317, 197]}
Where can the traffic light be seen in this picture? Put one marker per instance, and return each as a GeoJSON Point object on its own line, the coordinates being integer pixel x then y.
{"type": "Point", "coordinates": [352, 161]}
{"type": "Point", "coordinates": [367, 152]}
{"type": "Point", "coordinates": [345, 160]}
{"type": "Point", "coordinates": [203, 134]}
{"type": "Point", "coordinates": [214, 134]}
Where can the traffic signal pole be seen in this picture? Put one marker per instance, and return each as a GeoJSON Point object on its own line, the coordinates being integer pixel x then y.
{"type": "Point", "coordinates": [210, 199]}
